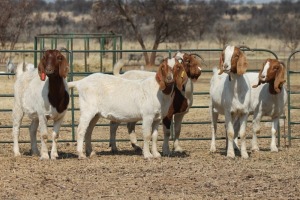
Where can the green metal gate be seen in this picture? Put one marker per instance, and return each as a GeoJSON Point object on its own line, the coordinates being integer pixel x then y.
{"type": "Point", "coordinates": [293, 83]}
{"type": "Point", "coordinates": [255, 57]}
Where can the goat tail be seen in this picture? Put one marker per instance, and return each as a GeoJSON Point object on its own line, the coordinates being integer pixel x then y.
{"type": "Point", "coordinates": [117, 67]}
{"type": "Point", "coordinates": [72, 84]}
{"type": "Point", "coordinates": [20, 69]}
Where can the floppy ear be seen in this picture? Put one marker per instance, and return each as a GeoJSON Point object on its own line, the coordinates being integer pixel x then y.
{"type": "Point", "coordinates": [63, 66]}
{"type": "Point", "coordinates": [279, 78]}
{"type": "Point", "coordinates": [242, 64]}
{"type": "Point", "coordinates": [41, 69]}
{"type": "Point", "coordinates": [221, 62]}
{"type": "Point", "coordinates": [159, 77]}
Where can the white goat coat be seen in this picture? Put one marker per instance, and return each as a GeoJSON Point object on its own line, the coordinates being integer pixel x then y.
{"type": "Point", "coordinates": [263, 103]}
{"type": "Point", "coordinates": [31, 98]}
{"type": "Point", "coordinates": [261, 99]}
{"type": "Point", "coordinates": [121, 100]}
{"type": "Point", "coordinates": [232, 99]}
{"type": "Point", "coordinates": [31, 95]}
{"type": "Point", "coordinates": [230, 96]}
{"type": "Point", "coordinates": [188, 94]}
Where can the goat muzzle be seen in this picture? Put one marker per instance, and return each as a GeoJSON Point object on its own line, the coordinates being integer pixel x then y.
{"type": "Point", "coordinates": [169, 88]}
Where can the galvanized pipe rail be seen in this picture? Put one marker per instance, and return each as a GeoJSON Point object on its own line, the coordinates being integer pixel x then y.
{"type": "Point", "coordinates": [169, 51]}
{"type": "Point", "coordinates": [290, 92]}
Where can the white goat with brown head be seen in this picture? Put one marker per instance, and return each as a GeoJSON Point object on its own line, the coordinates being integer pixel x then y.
{"type": "Point", "coordinates": [230, 96]}
{"type": "Point", "coordinates": [182, 101]}
{"type": "Point", "coordinates": [268, 98]}
{"type": "Point", "coordinates": [122, 100]}
{"type": "Point", "coordinates": [42, 94]}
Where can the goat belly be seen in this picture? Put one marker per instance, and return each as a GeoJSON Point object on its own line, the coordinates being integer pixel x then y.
{"type": "Point", "coordinates": [118, 117]}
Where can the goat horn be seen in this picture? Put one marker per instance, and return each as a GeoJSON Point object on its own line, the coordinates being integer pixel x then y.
{"type": "Point", "coordinates": [65, 49]}
{"type": "Point", "coordinates": [194, 54]}
{"type": "Point", "coordinates": [281, 62]}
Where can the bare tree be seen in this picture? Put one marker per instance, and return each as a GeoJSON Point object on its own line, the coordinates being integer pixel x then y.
{"type": "Point", "coordinates": [223, 33]}
{"type": "Point", "coordinates": [290, 34]}
{"type": "Point", "coordinates": [14, 18]}
{"type": "Point", "coordinates": [168, 20]}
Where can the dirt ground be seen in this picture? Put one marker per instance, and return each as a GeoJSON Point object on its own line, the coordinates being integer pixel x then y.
{"type": "Point", "coordinates": [194, 174]}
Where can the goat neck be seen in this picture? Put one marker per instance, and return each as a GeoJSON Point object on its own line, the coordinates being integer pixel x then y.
{"type": "Point", "coordinates": [58, 96]}
{"type": "Point", "coordinates": [169, 88]}
{"type": "Point", "coordinates": [271, 88]}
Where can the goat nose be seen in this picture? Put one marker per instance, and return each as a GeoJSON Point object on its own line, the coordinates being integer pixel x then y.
{"type": "Point", "coordinates": [169, 78]}
{"type": "Point", "coordinates": [263, 76]}
{"type": "Point", "coordinates": [49, 70]}
{"type": "Point", "coordinates": [225, 66]}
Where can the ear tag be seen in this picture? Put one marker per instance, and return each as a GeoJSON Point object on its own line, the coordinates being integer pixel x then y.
{"type": "Point", "coordinates": [182, 74]}
{"type": "Point", "coordinates": [43, 75]}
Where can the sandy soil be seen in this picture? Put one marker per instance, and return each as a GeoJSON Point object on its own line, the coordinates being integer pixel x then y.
{"type": "Point", "coordinates": [194, 174]}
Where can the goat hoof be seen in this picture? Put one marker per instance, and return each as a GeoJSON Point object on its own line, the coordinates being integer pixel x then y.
{"type": "Point", "coordinates": [156, 155]}
{"type": "Point", "coordinates": [230, 155]}
{"type": "Point", "coordinates": [34, 152]}
{"type": "Point", "coordinates": [255, 149]}
{"type": "Point", "coordinates": [148, 156]}
{"type": "Point", "coordinates": [166, 153]}
{"type": "Point", "coordinates": [274, 149]}
{"type": "Point", "coordinates": [245, 156]}
{"type": "Point", "coordinates": [17, 154]}
{"type": "Point", "coordinates": [93, 153]}
{"type": "Point", "coordinates": [54, 156]}
{"type": "Point", "coordinates": [44, 157]}
{"type": "Point", "coordinates": [178, 149]}
{"type": "Point", "coordinates": [81, 157]}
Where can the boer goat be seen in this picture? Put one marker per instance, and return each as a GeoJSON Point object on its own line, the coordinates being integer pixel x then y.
{"type": "Point", "coordinates": [181, 103]}
{"type": "Point", "coordinates": [42, 94]}
{"type": "Point", "coordinates": [122, 100]}
{"type": "Point", "coordinates": [230, 96]}
{"type": "Point", "coordinates": [267, 99]}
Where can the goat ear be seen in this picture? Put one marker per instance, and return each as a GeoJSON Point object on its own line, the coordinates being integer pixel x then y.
{"type": "Point", "coordinates": [41, 69]}
{"type": "Point", "coordinates": [221, 62]}
{"type": "Point", "coordinates": [279, 79]}
{"type": "Point", "coordinates": [242, 64]}
{"type": "Point", "coordinates": [255, 86]}
{"type": "Point", "coordinates": [159, 78]}
{"type": "Point", "coordinates": [63, 66]}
